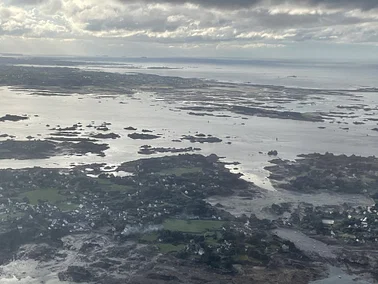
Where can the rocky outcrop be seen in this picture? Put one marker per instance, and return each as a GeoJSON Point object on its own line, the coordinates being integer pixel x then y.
{"type": "Point", "coordinates": [77, 274]}
{"type": "Point", "coordinates": [13, 118]}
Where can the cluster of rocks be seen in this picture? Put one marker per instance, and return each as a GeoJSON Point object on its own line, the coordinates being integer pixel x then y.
{"type": "Point", "coordinates": [74, 133]}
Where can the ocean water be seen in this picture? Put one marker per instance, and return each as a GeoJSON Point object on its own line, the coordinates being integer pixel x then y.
{"type": "Point", "coordinates": [145, 111]}
{"type": "Point", "coordinates": [304, 74]}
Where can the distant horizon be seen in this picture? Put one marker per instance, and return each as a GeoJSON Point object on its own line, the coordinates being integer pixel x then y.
{"type": "Point", "coordinates": [195, 58]}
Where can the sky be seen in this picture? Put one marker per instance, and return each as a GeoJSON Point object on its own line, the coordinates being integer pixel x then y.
{"type": "Point", "coordinates": [303, 29]}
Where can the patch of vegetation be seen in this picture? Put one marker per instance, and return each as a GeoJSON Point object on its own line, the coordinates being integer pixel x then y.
{"type": "Point", "coordinates": [149, 238]}
{"type": "Point", "coordinates": [67, 206]}
{"type": "Point", "coordinates": [243, 258]}
{"type": "Point", "coordinates": [213, 239]}
{"type": "Point", "coordinates": [192, 226]}
{"type": "Point", "coordinates": [107, 185]}
{"type": "Point", "coordinates": [180, 171]}
{"type": "Point", "coordinates": [51, 195]}
{"type": "Point", "coordinates": [168, 248]}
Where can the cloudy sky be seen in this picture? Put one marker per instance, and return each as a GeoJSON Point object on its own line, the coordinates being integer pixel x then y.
{"type": "Point", "coordinates": [224, 28]}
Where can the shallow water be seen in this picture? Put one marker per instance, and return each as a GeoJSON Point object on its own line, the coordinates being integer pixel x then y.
{"type": "Point", "coordinates": [258, 134]}
{"type": "Point", "coordinates": [338, 276]}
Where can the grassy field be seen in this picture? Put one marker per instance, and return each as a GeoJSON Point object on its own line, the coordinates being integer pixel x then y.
{"type": "Point", "coordinates": [167, 248]}
{"type": "Point", "coordinates": [149, 238]}
{"type": "Point", "coordinates": [107, 185]}
{"type": "Point", "coordinates": [51, 195]}
{"type": "Point", "coordinates": [180, 171]}
{"type": "Point", "coordinates": [67, 206]}
{"type": "Point", "coordinates": [192, 226]}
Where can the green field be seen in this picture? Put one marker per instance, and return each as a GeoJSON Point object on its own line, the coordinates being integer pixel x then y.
{"type": "Point", "coordinates": [192, 226]}
{"type": "Point", "coordinates": [149, 238]}
{"type": "Point", "coordinates": [66, 206]}
{"type": "Point", "coordinates": [107, 185]}
{"type": "Point", "coordinates": [180, 171]}
{"type": "Point", "coordinates": [167, 248]}
{"type": "Point", "coordinates": [51, 195]}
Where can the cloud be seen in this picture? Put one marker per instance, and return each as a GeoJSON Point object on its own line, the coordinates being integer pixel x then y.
{"type": "Point", "coordinates": [26, 2]}
{"type": "Point", "coordinates": [238, 4]}
{"type": "Point", "coordinates": [224, 4]}
{"type": "Point", "coordinates": [192, 24]}
{"type": "Point", "coordinates": [357, 4]}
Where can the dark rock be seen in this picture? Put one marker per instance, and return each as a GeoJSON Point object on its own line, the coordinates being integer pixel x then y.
{"type": "Point", "coordinates": [142, 136]}
{"type": "Point", "coordinates": [253, 111]}
{"type": "Point", "coordinates": [14, 118]}
{"type": "Point", "coordinates": [160, 276]}
{"type": "Point", "coordinates": [130, 128]}
{"type": "Point", "coordinates": [106, 136]}
{"type": "Point", "coordinates": [40, 252]}
{"type": "Point", "coordinates": [102, 128]}
{"type": "Point", "coordinates": [148, 150]}
{"type": "Point", "coordinates": [40, 149]}
{"type": "Point", "coordinates": [65, 133]}
{"type": "Point", "coordinates": [273, 153]}
{"type": "Point", "coordinates": [76, 274]}
{"type": "Point", "coordinates": [196, 139]}
{"type": "Point", "coordinates": [87, 247]}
